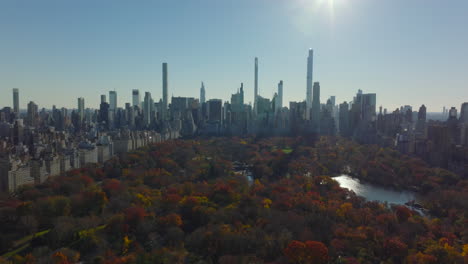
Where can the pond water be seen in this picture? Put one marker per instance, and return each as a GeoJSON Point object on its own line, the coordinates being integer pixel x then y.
{"type": "Point", "coordinates": [374, 193]}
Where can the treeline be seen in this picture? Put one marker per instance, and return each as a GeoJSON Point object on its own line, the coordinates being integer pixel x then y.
{"type": "Point", "coordinates": [182, 202]}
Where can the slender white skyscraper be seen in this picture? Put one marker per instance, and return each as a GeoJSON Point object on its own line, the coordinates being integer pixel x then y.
{"type": "Point", "coordinates": [280, 95]}
{"type": "Point", "coordinates": [256, 85]}
{"type": "Point", "coordinates": [136, 99]}
{"type": "Point", "coordinates": [164, 99]}
{"type": "Point", "coordinates": [202, 93]}
{"type": "Point", "coordinates": [310, 67]}
{"type": "Point", "coordinates": [16, 102]}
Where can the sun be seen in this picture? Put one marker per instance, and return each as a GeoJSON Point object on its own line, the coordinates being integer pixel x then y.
{"type": "Point", "coordinates": [305, 13]}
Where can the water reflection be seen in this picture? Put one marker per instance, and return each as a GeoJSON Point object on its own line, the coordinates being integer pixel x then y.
{"type": "Point", "coordinates": [374, 193]}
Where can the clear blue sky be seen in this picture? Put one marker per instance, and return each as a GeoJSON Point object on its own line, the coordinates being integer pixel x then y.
{"type": "Point", "coordinates": [406, 51]}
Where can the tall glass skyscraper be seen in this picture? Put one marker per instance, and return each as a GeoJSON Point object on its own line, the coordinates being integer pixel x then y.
{"type": "Point", "coordinates": [112, 100]}
{"type": "Point", "coordinates": [256, 86]}
{"type": "Point", "coordinates": [164, 99]}
{"type": "Point", "coordinates": [81, 108]}
{"type": "Point", "coordinates": [202, 94]}
{"type": "Point", "coordinates": [310, 67]}
{"type": "Point", "coordinates": [136, 99]}
{"type": "Point", "coordinates": [16, 101]}
{"type": "Point", "coordinates": [280, 95]}
{"type": "Point", "coordinates": [315, 118]}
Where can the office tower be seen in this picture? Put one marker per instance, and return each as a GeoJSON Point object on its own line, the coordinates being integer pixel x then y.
{"type": "Point", "coordinates": [344, 119]}
{"type": "Point", "coordinates": [164, 99]}
{"type": "Point", "coordinates": [333, 100]}
{"type": "Point", "coordinates": [421, 123]}
{"type": "Point", "coordinates": [368, 107]}
{"type": "Point", "coordinates": [310, 66]}
{"type": "Point", "coordinates": [280, 95]}
{"type": "Point", "coordinates": [315, 118]}
{"type": "Point", "coordinates": [215, 109]}
{"type": "Point", "coordinates": [464, 113]}
{"type": "Point", "coordinates": [16, 102]}
{"type": "Point", "coordinates": [202, 93]}
{"type": "Point", "coordinates": [112, 100]}
{"type": "Point", "coordinates": [103, 117]}
{"type": "Point", "coordinates": [422, 113]}
{"type": "Point", "coordinates": [103, 98]}
{"type": "Point", "coordinates": [81, 108]}
{"type": "Point", "coordinates": [32, 114]}
{"type": "Point", "coordinates": [237, 100]}
{"type": "Point", "coordinates": [147, 109]}
{"type": "Point", "coordinates": [136, 99]}
{"type": "Point", "coordinates": [256, 85]}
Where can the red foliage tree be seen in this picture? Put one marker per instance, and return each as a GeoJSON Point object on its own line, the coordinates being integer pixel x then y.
{"type": "Point", "coordinates": [134, 215]}
{"type": "Point", "coordinates": [312, 252]}
{"type": "Point", "coordinates": [403, 213]}
{"type": "Point", "coordinates": [395, 248]}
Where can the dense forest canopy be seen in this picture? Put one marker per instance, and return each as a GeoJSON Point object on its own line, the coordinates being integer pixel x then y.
{"type": "Point", "coordinates": [184, 201]}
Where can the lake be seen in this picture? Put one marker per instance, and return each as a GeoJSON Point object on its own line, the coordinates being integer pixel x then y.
{"type": "Point", "coordinates": [374, 193]}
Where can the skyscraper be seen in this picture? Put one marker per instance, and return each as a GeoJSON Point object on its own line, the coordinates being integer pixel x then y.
{"type": "Point", "coordinates": [256, 86]}
{"type": "Point", "coordinates": [202, 93]}
{"type": "Point", "coordinates": [280, 95]}
{"type": "Point", "coordinates": [147, 109]}
{"type": "Point", "coordinates": [32, 114]}
{"type": "Point", "coordinates": [164, 99]}
{"type": "Point", "coordinates": [103, 98]}
{"type": "Point", "coordinates": [464, 113]}
{"type": "Point", "coordinates": [112, 100]}
{"type": "Point", "coordinates": [16, 101]}
{"type": "Point", "coordinates": [344, 119]}
{"type": "Point", "coordinates": [369, 107]}
{"type": "Point", "coordinates": [310, 67]}
{"type": "Point", "coordinates": [421, 123]}
{"type": "Point", "coordinates": [81, 107]}
{"type": "Point", "coordinates": [136, 99]}
{"type": "Point", "coordinates": [316, 106]}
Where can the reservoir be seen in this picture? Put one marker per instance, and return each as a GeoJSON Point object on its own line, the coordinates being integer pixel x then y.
{"type": "Point", "coordinates": [374, 193]}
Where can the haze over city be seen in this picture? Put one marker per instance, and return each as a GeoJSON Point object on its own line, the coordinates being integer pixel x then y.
{"type": "Point", "coordinates": [407, 52]}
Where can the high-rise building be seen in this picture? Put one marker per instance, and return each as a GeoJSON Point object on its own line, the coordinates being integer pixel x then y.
{"type": "Point", "coordinates": [421, 123]}
{"type": "Point", "coordinates": [136, 99]}
{"type": "Point", "coordinates": [279, 105]}
{"type": "Point", "coordinates": [202, 93]}
{"type": "Point", "coordinates": [344, 119]}
{"type": "Point", "coordinates": [32, 114]}
{"type": "Point", "coordinates": [16, 102]}
{"type": "Point", "coordinates": [422, 113]}
{"type": "Point", "coordinates": [103, 98]}
{"type": "Point", "coordinates": [81, 108]}
{"type": "Point", "coordinates": [103, 117]}
{"type": "Point", "coordinates": [164, 83]}
{"type": "Point", "coordinates": [237, 100]}
{"type": "Point", "coordinates": [215, 109]}
{"type": "Point", "coordinates": [112, 100]}
{"type": "Point", "coordinates": [369, 107]}
{"type": "Point", "coordinates": [315, 118]}
{"type": "Point", "coordinates": [464, 113]}
{"type": "Point", "coordinates": [310, 67]}
{"type": "Point", "coordinates": [256, 86]}
{"type": "Point", "coordinates": [147, 109]}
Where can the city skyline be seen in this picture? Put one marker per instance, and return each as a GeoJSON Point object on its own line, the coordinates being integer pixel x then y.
{"type": "Point", "coordinates": [396, 50]}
